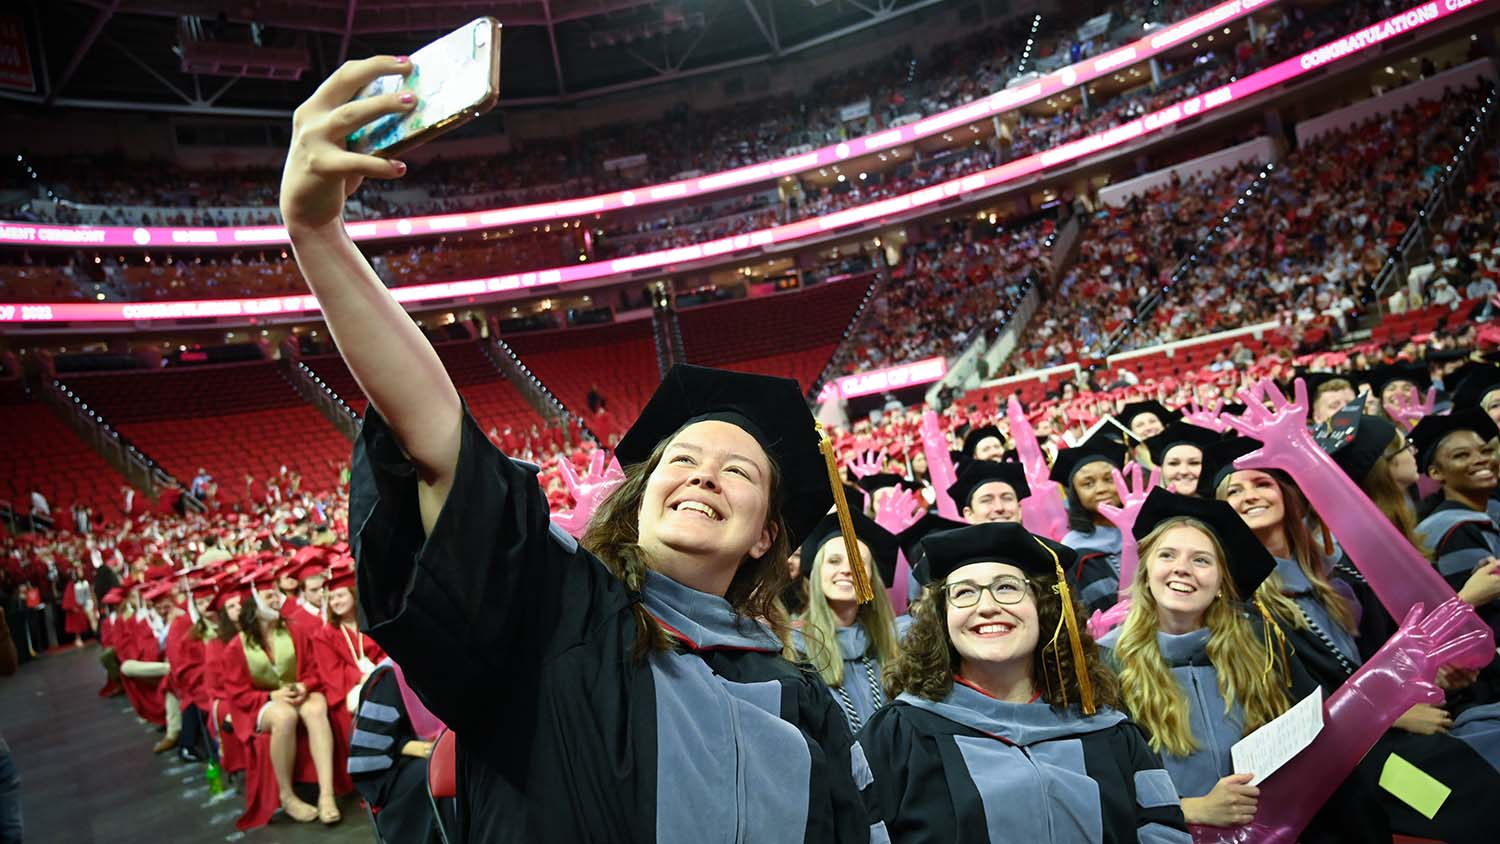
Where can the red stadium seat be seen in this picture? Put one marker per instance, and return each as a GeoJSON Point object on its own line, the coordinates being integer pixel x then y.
{"type": "Point", "coordinates": [442, 784]}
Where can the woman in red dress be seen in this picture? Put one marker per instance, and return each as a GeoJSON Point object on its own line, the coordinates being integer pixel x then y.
{"type": "Point", "coordinates": [78, 607]}
{"type": "Point", "coordinates": [345, 655]}
{"type": "Point", "coordinates": [273, 685]}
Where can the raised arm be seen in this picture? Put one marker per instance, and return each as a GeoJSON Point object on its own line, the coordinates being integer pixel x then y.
{"type": "Point", "coordinates": [393, 363]}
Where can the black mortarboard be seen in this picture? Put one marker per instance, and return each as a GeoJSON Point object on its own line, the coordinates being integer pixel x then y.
{"type": "Point", "coordinates": [1105, 444]}
{"type": "Point", "coordinates": [980, 472]}
{"type": "Point", "coordinates": [1249, 562]}
{"type": "Point", "coordinates": [1354, 440]}
{"type": "Point", "coordinates": [884, 480]}
{"type": "Point", "coordinates": [1386, 374]}
{"type": "Point", "coordinates": [1472, 383]}
{"type": "Point", "coordinates": [883, 544]}
{"type": "Point", "coordinates": [1446, 355]}
{"type": "Point", "coordinates": [1432, 430]}
{"type": "Point", "coordinates": [1179, 433]}
{"type": "Point", "coordinates": [974, 437]}
{"type": "Point", "coordinates": [911, 541]}
{"type": "Point", "coordinates": [772, 410]}
{"type": "Point", "coordinates": [1234, 408]}
{"type": "Point", "coordinates": [994, 542]}
{"type": "Point", "coordinates": [1315, 380]}
{"type": "Point", "coordinates": [1130, 411]}
{"type": "Point", "coordinates": [1218, 462]}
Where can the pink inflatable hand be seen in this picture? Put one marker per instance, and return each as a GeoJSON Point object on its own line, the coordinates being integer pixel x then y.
{"type": "Point", "coordinates": [939, 465]}
{"type": "Point", "coordinates": [1407, 411]}
{"type": "Point", "coordinates": [1044, 512]}
{"type": "Point", "coordinates": [866, 464]}
{"type": "Point", "coordinates": [899, 510]}
{"type": "Point", "coordinates": [1132, 498]}
{"type": "Point", "coordinates": [1398, 574]}
{"type": "Point", "coordinates": [587, 492]}
{"type": "Point", "coordinates": [1101, 623]}
{"type": "Point", "coordinates": [1399, 676]}
{"type": "Point", "coordinates": [1209, 417]}
{"type": "Point", "coordinates": [1033, 461]}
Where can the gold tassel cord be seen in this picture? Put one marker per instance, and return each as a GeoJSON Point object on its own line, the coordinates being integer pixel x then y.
{"type": "Point", "coordinates": [1075, 641]}
{"type": "Point", "coordinates": [863, 591]}
{"type": "Point", "coordinates": [1274, 632]}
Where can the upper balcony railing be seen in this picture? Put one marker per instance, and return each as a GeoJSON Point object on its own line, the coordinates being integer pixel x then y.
{"type": "Point", "coordinates": [1000, 102]}
{"type": "Point", "coordinates": [1413, 18]}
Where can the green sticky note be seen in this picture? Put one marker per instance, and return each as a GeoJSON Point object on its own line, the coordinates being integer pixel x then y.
{"type": "Point", "coordinates": [1414, 786]}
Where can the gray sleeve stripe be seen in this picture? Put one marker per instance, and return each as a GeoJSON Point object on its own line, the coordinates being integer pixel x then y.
{"type": "Point", "coordinates": [1154, 788]}
{"type": "Point", "coordinates": [1098, 591]}
{"type": "Point", "coordinates": [368, 764]}
{"type": "Point", "coordinates": [1461, 562]}
{"type": "Point", "coordinates": [379, 712]}
{"type": "Point", "coordinates": [879, 834]}
{"type": "Point", "coordinates": [860, 767]}
{"type": "Point", "coordinates": [373, 741]}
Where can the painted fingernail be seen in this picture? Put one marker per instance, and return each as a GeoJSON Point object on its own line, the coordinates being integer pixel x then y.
{"type": "Point", "coordinates": [399, 167]}
{"type": "Point", "coordinates": [408, 98]}
{"type": "Point", "coordinates": [402, 59]}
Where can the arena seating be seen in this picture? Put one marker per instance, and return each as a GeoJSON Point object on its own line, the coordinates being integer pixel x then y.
{"type": "Point", "coordinates": [808, 327]}
{"type": "Point", "coordinates": [619, 359]}
{"type": "Point", "coordinates": [41, 452]}
{"type": "Point", "coordinates": [231, 419]}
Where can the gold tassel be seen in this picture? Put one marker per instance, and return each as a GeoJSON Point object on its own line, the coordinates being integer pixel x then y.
{"type": "Point", "coordinates": [1327, 540]}
{"type": "Point", "coordinates": [1075, 642]}
{"type": "Point", "coordinates": [1274, 632]}
{"type": "Point", "coordinates": [863, 591]}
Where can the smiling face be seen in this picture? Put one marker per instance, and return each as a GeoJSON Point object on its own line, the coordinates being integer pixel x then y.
{"type": "Point", "coordinates": [1146, 425]}
{"type": "Point", "coordinates": [991, 633]}
{"type": "Point", "coordinates": [1403, 465]}
{"type": "Point", "coordinates": [995, 501]}
{"type": "Point", "coordinates": [312, 591]}
{"type": "Point", "coordinates": [341, 601]}
{"type": "Point", "coordinates": [1180, 468]}
{"type": "Point", "coordinates": [1094, 485]}
{"type": "Point", "coordinates": [203, 602]}
{"type": "Point", "coordinates": [1256, 496]}
{"type": "Point", "coordinates": [707, 501]}
{"type": "Point", "coordinates": [1491, 405]}
{"type": "Point", "coordinates": [1183, 574]}
{"type": "Point", "coordinates": [1331, 402]}
{"type": "Point", "coordinates": [989, 448]}
{"type": "Point", "coordinates": [919, 465]}
{"type": "Point", "coordinates": [1400, 390]}
{"type": "Point", "coordinates": [835, 576]}
{"type": "Point", "coordinates": [1464, 464]}
{"type": "Point", "coordinates": [232, 606]}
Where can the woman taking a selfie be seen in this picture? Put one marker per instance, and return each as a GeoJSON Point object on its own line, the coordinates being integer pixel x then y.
{"type": "Point", "coordinates": [629, 687]}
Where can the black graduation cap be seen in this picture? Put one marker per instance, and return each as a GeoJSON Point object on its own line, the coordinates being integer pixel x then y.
{"type": "Point", "coordinates": [980, 472]}
{"type": "Point", "coordinates": [975, 436]}
{"type": "Point", "coordinates": [1472, 383]}
{"type": "Point", "coordinates": [911, 541]}
{"type": "Point", "coordinates": [1218, 462]}
{"type": "Point", "coordinates": [1130, 411]}
{"type": "Point", "coordinates": [1249, 562]}
{"type": "Point", "coordinates": [1106, 444]}
{"type": "Point", "coordinates": [1354, 440]}
{"type": "Point", "coordinates": [884, 480]}
{"type": "Point", "coordinates": [1386, 374]}
{"type": "Point", "coordinates": [1314, 381]}
{"type": "Point", "coordinates": [1432, 430]}
{"type": "Point", "coordinates": [1446, 355]}
{"type": "Point", "coordinates": [993, 542]}
{"type": "Point", "coordinates": [1234, 408]}
{"type": "Point", "coordinates": [883, 544]}
{"type": "Point", "coordinates": [772, 410]}
{"type": "Point", "coordinates": [1179, 433]}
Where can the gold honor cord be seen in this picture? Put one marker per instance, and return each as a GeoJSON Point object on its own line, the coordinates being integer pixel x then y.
{"type": "Point", "coordinates": [1067, 619]}
{"type": "Point", "coordinates": [863, 591]}
{"type": "Point", "coordinates": [1275, 642]}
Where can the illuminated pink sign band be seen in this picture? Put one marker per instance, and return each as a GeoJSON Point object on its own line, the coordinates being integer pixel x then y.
{"type": "Point", "coordinates": [884, 380]}
{"type": "Point", "coordinates": [1363, 39]}
{"type": "Point", "coordinates": [996, 103]}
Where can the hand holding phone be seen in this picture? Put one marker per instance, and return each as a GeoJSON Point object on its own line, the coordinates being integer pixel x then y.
{"type": "Point", "coordinates": [454, 80]}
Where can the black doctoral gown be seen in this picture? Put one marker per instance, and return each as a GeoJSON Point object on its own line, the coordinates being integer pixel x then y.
{"type": "Point", "coordinates": [393, 784]}
{"type": "Point", "coordinates": [971, 769]}
{"type": "Point", "coordinates": [521, 642]}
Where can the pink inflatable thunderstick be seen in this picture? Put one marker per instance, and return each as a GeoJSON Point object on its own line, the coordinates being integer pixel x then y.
{"type": "Point", "coordinates": [1043, 512]}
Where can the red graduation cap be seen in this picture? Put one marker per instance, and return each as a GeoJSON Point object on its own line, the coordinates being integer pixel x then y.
{"type": "Point", "coordinates": [113, 597]}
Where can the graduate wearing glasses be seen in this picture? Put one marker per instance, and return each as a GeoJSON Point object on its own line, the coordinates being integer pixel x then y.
{"type": "Point", "coordinates": [1003, 727]}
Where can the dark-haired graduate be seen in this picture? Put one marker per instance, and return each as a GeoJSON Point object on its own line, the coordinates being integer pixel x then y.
{"type": "Point", "coordinates": [628, 687]}
{"type": "Point", "coordinates": [1003, 727]}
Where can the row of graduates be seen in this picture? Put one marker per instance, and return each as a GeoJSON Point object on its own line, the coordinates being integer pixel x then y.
{"type": "Point", "coordinates": [637, 682]}
{"type": "Point", "coordinates": [253, 665]}
{"type": "Point", "coordinates": [1181, 638]}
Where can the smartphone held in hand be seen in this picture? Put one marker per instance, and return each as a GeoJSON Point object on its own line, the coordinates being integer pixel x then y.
{"type": "Point", "coordinates": [455, 79]}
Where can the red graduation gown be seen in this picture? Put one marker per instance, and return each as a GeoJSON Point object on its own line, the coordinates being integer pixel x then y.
{"type": "Point", "coordinates": [186, 654]}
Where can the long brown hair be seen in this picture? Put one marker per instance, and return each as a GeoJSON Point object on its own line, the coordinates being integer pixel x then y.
{"type": "Point", "coordinates": [250, 626]}
{"type": "Point", "coordinates": [1391, 498]}
{"type": "Point", "coordinates": [928, 659]}
{"type": "Point", "coordinates": [820, 627]}
{"type": "Point", "coordinates": [613, 535]}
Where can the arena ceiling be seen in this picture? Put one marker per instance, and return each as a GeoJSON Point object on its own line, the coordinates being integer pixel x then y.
{"type": "Point", "coordinates": [129, 53]}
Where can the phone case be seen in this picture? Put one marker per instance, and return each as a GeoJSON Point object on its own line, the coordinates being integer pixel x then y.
{"type": "Point", "coordinates": [463, 115]}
